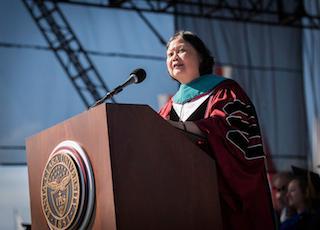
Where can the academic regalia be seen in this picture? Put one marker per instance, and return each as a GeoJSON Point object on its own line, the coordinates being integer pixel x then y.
{"type": "Point", "coordinates": [229, 120]}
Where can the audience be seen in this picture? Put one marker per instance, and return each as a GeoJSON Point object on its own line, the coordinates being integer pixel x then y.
{"type": "Point", "coordinates": [303, 198]}
{"type": "Point", "coordinates": [279, 187]}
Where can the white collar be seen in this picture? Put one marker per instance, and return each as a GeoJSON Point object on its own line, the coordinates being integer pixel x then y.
{"type": "Point", "coordinates": [184, 111]}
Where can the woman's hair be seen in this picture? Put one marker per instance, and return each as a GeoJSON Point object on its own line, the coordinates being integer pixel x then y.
{"type": "Point", "coordinates": [207, 61]}
{"type": "Point", "coordinates": [310, 194]}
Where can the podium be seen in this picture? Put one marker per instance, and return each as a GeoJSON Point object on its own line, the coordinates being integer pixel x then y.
{"type": "Point", "coordinates": [147, 174]}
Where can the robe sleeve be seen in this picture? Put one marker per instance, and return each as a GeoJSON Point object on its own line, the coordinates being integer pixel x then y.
{"type": "Point", "coordinates": [165, 110]}
{"type": "Point", "coordinates": [235, 143]}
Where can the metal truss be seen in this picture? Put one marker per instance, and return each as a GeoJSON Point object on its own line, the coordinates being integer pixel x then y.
{"type": "Point", "coordinates": [68, 50]}
{"type": "Point", "coordinates": [268, 12]}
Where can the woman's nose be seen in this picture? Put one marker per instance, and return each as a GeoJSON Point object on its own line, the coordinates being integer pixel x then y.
{"type": "Point", "coordinates": [175, 56]}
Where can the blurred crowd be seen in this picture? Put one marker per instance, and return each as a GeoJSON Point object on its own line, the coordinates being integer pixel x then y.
{"type": "Point", "coordinates": [296, 199]}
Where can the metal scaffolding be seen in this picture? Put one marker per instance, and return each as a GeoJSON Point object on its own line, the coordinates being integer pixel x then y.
{"type": "Point", "coordinates": [267, 12]}
{"type": "Point", "coordinates": [68, 50]}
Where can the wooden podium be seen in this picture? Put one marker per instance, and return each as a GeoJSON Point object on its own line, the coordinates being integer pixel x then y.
{"type": "Point", "coordinates": [147, 174]}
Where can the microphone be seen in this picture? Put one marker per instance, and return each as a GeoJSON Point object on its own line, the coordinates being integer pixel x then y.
{"type": "Point", "coordinates": [135, 77]}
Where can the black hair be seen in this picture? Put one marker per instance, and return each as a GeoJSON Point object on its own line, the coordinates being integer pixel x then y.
{"type": "Point", "coordinates": [207, 61]}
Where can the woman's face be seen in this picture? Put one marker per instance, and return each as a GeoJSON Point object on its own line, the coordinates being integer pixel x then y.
{"type": "Point", "coordinates": [295, 195]}
{"type": "Point", "coordinates": [281, 184]}
{"type": "Point", "coordinates": [183, 61]}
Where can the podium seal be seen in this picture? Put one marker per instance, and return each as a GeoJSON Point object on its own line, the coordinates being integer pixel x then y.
{"type": "Point", "coordinates": [67, 187]}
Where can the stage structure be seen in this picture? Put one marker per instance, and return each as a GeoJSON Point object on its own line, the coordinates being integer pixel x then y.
{"type": "Point", "coordinates": [68, 50]}
{"type": "Point", "coordinates": [266, 12]}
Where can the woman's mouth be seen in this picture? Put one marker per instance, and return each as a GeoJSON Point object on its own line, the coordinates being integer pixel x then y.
{"type": "Point", "coordinates": [177, 66]}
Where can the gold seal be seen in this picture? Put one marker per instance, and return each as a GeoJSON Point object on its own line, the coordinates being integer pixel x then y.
{"type": "Point", "coordinates": [60, 190]}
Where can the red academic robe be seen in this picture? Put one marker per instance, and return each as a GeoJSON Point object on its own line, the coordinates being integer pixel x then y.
{"type": "Point", "coordinates": [233, 133]}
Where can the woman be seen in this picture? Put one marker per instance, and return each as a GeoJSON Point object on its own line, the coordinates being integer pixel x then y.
{"type": "Point", "coordinates": [304, 199]}
{"type": "Point", "coordinates": [218, 109]}
{"type": "Point", "coordinates": [280, 183]}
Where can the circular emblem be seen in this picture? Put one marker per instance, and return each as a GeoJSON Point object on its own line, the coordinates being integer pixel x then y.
{"type": "Point", "coordinates": [67, 188]}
